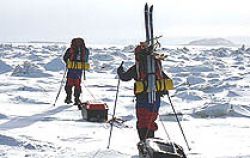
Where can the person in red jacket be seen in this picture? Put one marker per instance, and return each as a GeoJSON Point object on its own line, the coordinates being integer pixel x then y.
{"type": "Point", "coordinates": [76, 59]}
{"type": "Point", "coordinates": [146, 112]}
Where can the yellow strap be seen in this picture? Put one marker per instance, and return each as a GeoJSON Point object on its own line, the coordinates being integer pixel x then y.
{"type": "Point", "coordinates": [139, 87]}
{"type": "Point", "coordinates": [169, 84]}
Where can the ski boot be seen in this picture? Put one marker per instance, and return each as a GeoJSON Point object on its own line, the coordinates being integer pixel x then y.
{"type": "Point", "coordinates": [142, 149]}
{"type": "Point", "coordinates": [68, 90]}
{"type": "Point", "coordinates": [77, 101]}
{"type": "Point", "coordinates": [68, 100]}
{"type": "Point", "coordinates": [150, 134]}
{"type": "Point", "coordinates": [77, 93]}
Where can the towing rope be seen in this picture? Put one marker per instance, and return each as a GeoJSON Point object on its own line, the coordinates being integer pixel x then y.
{"type": "Point", "coordinates": [90, 93]}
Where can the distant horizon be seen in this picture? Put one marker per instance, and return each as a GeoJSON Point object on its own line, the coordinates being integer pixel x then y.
{"type": "Point", "coordinates": [237, 40]}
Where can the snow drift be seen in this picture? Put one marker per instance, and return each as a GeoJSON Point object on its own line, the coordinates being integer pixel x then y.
{"type": "Point", "coordinates": [4, 67]}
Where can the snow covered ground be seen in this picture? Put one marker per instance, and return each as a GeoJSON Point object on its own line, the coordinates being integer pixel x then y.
{"type": "Point", "coordinates": [212, 93]}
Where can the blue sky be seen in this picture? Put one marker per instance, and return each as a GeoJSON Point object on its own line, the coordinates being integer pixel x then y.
{"type": "Point", "coordinates": [114, 21]}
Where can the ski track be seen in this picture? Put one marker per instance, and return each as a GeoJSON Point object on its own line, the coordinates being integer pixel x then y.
{"type": "Point", "coordinates": [24, 121]}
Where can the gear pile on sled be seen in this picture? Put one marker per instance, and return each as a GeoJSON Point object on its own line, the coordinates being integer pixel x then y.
{"type": "Point", "coordinates": [159, 148]}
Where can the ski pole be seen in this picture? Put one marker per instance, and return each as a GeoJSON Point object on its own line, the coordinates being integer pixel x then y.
{"type": "Point", "coordinates": [84, 74]}
{"type": "Point", "coordinates": [113, 115]}
{"type": "Point", "coordinates": [178, 122]}
{"type": "Point", "coordinates": [59, 91]}
{"type": "Point", "coordinates": [165, 130]}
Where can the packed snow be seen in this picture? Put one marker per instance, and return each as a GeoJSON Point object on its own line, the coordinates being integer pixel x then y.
{"type": "Point", "coordinates": [211, 97]}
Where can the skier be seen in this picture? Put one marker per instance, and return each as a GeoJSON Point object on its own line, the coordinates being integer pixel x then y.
{"type": "Point", "coordinates": [76, 59]}
{"type": "Point", "coordinates": [146, 112]}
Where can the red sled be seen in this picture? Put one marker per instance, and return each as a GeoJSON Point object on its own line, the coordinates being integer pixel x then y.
{"type": "Point", "coordinates": [94, 111]}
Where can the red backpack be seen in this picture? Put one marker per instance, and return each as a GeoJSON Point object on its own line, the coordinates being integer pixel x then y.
{"type": "Point", "coordinates": [77, 50]}
{"type": "Point", "coordinates": [78, 55]}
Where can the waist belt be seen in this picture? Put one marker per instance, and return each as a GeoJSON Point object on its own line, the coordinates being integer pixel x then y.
{"type": "Point", "coordinates": [161, 86]}
{"type": "Point", "coordinates": [78, 65]}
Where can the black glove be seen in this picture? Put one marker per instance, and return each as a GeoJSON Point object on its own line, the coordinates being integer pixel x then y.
{"type": "Point", "coordinates": [120, 69]}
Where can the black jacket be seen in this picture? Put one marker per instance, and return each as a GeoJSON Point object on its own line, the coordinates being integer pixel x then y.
{"type": "Point", "coordinates": [66, 55]}
{"type": "Point", "coordinates": [128, 75]}
{"type": "Point", "coordinates": [131, 74]}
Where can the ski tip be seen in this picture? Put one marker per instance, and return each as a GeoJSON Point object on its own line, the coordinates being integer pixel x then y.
{"type": "Point", "coordinates": [146, 6]}
{"type": "Point", "coordinates": [151, 8]}
{"type": "Point", "coordinates": [122, 63]}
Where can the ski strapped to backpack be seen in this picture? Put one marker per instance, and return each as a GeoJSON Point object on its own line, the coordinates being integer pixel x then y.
{"type": "Point", "coordinates": [150, 78]}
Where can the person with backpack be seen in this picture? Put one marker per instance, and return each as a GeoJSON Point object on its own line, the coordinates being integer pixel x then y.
{"type": "Point", "coordinates": [146, 112]}
{"type": "Point", "coordinates": [76, 59]}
